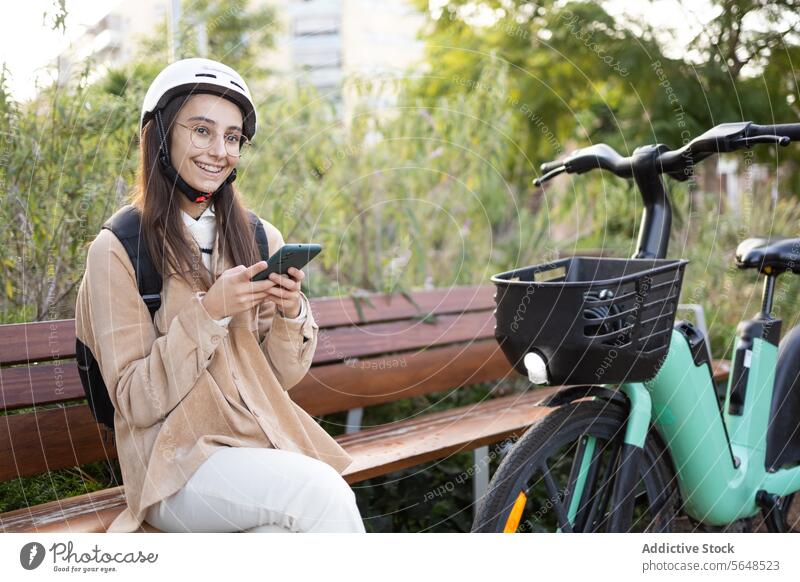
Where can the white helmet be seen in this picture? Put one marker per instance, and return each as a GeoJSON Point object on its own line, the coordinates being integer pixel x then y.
{"type": "Point", "coordinates": [199, 76]}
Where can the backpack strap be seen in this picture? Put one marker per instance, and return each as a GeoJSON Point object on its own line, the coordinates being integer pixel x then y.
{"type": "Point", "coordinates": [261, 235]}
{"type": "Point", "coordinates": [126, 226]}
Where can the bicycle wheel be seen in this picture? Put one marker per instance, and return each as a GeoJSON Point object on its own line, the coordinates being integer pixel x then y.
{"type": "Point", "coordinates": [560, 474]}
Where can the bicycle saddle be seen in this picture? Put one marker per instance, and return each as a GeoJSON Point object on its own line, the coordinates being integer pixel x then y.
{"type": "Point", "coordinates": [771, 256]}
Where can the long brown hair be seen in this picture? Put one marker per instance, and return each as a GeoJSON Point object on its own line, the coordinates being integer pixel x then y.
{"type": "Point", "coordinates": [162, 225]}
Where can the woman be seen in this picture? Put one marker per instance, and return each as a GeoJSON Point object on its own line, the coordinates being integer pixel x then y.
{"type": "Point", "coordinates": [206, 434]}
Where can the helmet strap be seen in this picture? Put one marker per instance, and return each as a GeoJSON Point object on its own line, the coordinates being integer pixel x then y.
{"type": "Point", "coordinates": [193, 194]}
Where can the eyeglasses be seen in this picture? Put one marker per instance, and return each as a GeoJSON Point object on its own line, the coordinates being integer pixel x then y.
{"type": "Point", "coordinates": [202, 137]}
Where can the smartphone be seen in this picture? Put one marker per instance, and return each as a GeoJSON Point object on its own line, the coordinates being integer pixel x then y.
{"type": "Point", "coordinates": [289, 255]}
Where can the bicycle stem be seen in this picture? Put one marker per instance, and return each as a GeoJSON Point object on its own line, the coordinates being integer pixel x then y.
{"type": "Point", "coordinates": [656, 222]}
{"type": "Point", "coordinates": [769, 291]}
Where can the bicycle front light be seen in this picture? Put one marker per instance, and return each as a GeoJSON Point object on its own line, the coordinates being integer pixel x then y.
{"type": "Point", "coordinates": [537, 368]}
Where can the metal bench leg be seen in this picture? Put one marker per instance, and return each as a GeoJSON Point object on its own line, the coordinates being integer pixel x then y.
{"type": "Point", "coordinates": [354, 418]}
{"type": "Point", "coordinates": [480, 480]}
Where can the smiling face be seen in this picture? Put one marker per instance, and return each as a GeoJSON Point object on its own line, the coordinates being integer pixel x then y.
{"type": "Point", "coordinates": [205, 169]}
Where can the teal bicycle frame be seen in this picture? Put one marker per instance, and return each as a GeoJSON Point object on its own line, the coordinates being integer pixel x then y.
{"type": "Point", "coordinates": [719, 459]}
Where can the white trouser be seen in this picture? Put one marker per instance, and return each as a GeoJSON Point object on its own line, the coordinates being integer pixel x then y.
{"type": "Point", "coordinates": [260, 490]}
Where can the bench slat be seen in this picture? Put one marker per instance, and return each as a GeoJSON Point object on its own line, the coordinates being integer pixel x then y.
{"type": "Point", "coordinates": [40, 384]}
{"type": "Point", "coordinates": [53, 340]}
{"type": "Point", "coordinates": [88, 513]}
{"type": "Point", "coordinates": [36, 442]}
{"type": "Point", "coordinates": [398, 336]}
{"type": "Point", "coordinates": [33, 342]}
{"type": "Point", "coordinates": [337, 311]}
{"type": "Point", "coordinates": [387, 448]}
{"type": "Point", "coordinates": [338, 387]}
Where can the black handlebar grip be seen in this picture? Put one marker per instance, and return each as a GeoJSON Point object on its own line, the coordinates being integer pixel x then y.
{"type": "Point", "coordinates": [790, 130]}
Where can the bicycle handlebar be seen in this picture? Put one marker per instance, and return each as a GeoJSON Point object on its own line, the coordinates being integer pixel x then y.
{"type": "Point", "coordinates": [678, 164]}
{"type": "Point", "coordinates": [647, 163]}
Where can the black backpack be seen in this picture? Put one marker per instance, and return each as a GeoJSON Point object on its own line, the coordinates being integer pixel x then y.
{"type": "Point", "coordinates": [125, 224]}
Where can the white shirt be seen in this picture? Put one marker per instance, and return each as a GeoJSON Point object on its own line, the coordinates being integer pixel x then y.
{"type": "Point", "coordinates": [204, 231]}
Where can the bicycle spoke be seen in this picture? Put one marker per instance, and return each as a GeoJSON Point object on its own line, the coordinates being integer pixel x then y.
{"type": "Point", "coordinates": [553, 493]}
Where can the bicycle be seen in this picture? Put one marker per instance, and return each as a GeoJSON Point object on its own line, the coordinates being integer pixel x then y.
{"type": "Point", "coordinates": [638, 434]}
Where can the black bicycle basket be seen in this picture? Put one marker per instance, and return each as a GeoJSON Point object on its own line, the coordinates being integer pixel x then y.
{"type": "Point", "coordinates": [589, 320]}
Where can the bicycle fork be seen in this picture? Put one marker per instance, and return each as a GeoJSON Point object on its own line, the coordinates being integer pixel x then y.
{"type": "Point", "coordinates": [631, 455]}
{"type": "Point", "coordinates": [626, 473]}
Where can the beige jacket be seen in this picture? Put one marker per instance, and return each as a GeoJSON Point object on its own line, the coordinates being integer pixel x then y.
{"type": "Point", "coordinates": [184, 386]}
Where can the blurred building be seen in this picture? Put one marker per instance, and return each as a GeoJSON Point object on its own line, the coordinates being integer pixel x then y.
{"type": "Point", "coordinates": [323, 42]}
{"type": "Point", "coordinates": [113, 38]}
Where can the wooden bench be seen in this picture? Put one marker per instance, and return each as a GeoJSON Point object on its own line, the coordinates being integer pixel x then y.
{"type": "Point", "coordinates": [383, 349]}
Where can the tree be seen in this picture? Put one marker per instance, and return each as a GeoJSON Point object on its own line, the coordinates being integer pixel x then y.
{"type": "Point", "coordinates": [580, 75]}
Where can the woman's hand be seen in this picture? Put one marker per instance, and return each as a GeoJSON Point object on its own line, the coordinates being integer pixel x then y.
{"type": "Point", "coordinates": [233, 292]}
{"type": "Point", "coordinates": [286, 292]}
